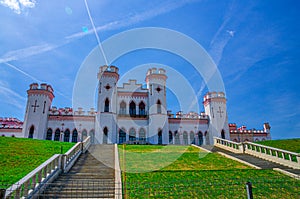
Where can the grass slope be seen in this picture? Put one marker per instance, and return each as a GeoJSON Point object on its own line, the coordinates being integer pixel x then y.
{"type": "Point", "coordinates": [188, 172]}
{"type": "Point", "coordinates": [19, 156]}
{"type": "Point", "coordinates": [289, 145]}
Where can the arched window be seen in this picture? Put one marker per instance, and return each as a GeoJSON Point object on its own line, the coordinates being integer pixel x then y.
{"type": "Point", "coordinates": [177, 137]}
{"type": "Point", "coordinates": [132, 109]}
{"type": "Point", "coordinates": [83, 135]}
{"type": "Point", "coordinates": [132, 135]}
{"type": "Point", "coordinates": [142, 135]}
{"type": "Point", "coordinates": [200, 138]}
{"type": "Point", "coordinates": [74, 136]}
{"type": "Point", "coordinates": [31, 131]}
{"type": "Point", "coordinates": [106, 105]}
{"type": "Point", "coordinates": [123, 108]}
{"type": "Point", "coordinates": [122, 136]}
{"type": "Point", "coordinates": [159, 137]}
{"type": "Point", "coordinates": [49, 134]}
{"type": "Point", "coordinates": [105, 135]}
{"type": "Point", "coordinates": [92, 134]}
{"type": "Point", "coordinates": [142, 109]}
{"type": "Point", "coordinates": [170, 137]}
{"type": "Point", "coordinates": [67, 135]}
{"type": "Point", "coordinates": [57, 135]}
{"type": "Point", "coordinates": [192, 137]}
{"type": "Point", "coordinates": [185, 138]}
{"type": "Point", "coordinates": [158, 104]}
{"type": "Point", "coordinates": [223, 134]}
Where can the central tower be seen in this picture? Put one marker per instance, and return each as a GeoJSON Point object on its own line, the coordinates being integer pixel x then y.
{"type": "Point", "coordinates": [158, 118]}
{"type": "Point", "coordinates": [107, 109]}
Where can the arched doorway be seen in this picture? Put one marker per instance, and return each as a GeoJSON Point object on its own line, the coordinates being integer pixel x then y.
{"type": "Point", "coordinates": [223, 134]}
{"type": "Point", "coordinates": [49, 134]}
{"type": "Point", "coordinates": [132, 135]}
{"type": "Point", "coordinates": [192, 137]}
{"type": "Point", "coordinates": [31, 131]}
{"type": "Point", "coordinates": [92, 135]}
{"type": "Point", "coordinates": [159, 137]}
{"type": "Point", "coordinates": [122, 136]}
{"type": "Point", "coordinates": [177, 138]}
{"type": "Point", "coordinates": [185, 138]}
{"type": "Point", "coordinates": [170, 137]}
{"type": "Point", "coordinates": [83, 135]}
{"type": "Point", "coordinates": [56, 135]}
{"type": "Point", "coordinates": [200, 138]}
{"type": "Point", "coordinates": [105, 135]}
{"type": "Point", "coordinates": [67, 135]}
{"type": "Point", "coordinates": [142, 135]}
{"type": "Point", "coordinates": [74, 136]}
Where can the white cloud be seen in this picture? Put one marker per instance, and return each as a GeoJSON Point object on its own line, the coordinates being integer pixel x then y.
{"type": "Point", "coordinates": [11, 97]}
{"type": "Point", "coordinates": [38, 49]}
{"type": "Point", "coordinates": [18, 5]}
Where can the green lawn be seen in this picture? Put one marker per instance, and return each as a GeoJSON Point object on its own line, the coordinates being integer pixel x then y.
{"type": "Point", "coordinates": [19, 156]}
{"type": "Point", "coordinates": [187, 172]}
{"type": "Point", "coordinates": [289, 145]}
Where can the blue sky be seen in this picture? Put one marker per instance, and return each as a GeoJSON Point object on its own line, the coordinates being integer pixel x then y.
{"type": "Point", "coordinates": [255, 45]}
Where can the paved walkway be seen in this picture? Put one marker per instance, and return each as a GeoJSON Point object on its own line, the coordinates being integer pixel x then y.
{"type": "Point", "coordinates": [264, 164]}
{"type": "Point", "coordinates": [92, 176]}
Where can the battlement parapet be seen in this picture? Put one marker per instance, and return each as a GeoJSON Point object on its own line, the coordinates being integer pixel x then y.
{"type": "Point", "coordinates": [190, 115]}
{"type": "Point", "coordinates": [10, 123]}
{"type": "Point", "coordinates": [43, 86]}
{"type": "Point", "coordinates": [70, 112]}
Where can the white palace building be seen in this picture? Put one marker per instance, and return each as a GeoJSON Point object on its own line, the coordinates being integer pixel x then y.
{"type": "Point", "coordinates": [127, 114]}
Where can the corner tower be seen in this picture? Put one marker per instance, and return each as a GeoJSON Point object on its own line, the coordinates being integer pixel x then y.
{"type": "Point", "coordinates": [158, 118]}
{"type": "Point", "coordinates": [107, 104]}
{"type": "Point", "coordinates": [215, 108]}
{"type": "Point", "coordinates": [39, 100]}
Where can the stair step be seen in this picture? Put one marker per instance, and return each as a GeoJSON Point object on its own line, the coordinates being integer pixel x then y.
{"type": "Point", "coordinates": [92, 176]}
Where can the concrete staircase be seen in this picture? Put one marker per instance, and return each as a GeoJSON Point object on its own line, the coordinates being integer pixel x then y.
{"type": "Point", "coordinates": [263, 164]}
{"type": "Point", "coordinates": [92, 176]}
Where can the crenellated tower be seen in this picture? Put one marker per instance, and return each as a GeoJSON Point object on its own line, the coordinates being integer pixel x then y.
{"type": "Point", "coordinates": [215, 108]}
{"type": "Point", "coordinates": [36, 116]}
{"type": "Point", "coordinates": [158, 118]}
{"type": "Point", "coordinates": [107, 108]}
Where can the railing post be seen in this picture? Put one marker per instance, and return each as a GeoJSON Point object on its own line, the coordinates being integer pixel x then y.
{"type": "Point", "coordinates": [249, 190]}
{"type": "Point", "coordinates": [2, 193]}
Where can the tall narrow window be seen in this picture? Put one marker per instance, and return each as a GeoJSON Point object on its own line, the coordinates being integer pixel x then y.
{"type": "Point", "coordinates": [44, 107]}
{"type": "Point", "coordinates": [132, 111]}
{"type": "Point", "coordinates": [106, 105]}
{"type": "Point", "coordinates": [142, 109]}
{"type": "Point", "coordinates": [31, 131]}
{"type": "Point", "coordinates": [105, 134]}
{"type": "Point", "coordinates": [192, 137]}
{"type": "Point", "coordinates": [123, 108]}
{"type": "Point", "coordinates": [158, 106]}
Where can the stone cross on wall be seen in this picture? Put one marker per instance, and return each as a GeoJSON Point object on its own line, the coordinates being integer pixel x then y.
{"type": "Point", "coordinates": [220, 111]}
{"type": "Point", "coordinates": [35, 106]}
